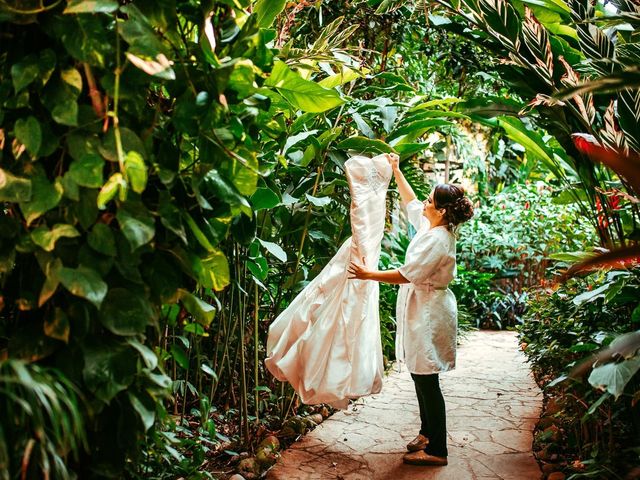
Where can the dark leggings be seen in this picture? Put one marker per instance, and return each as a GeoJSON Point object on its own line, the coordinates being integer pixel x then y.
{"type": "Point", "coordinates": [433, 415]}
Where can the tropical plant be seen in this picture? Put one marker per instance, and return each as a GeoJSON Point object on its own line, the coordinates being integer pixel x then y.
{"type": "Point", "coordinates": [595, 425]}
{"type": "Point", "coordinates": [45, 428]}
{"type": "Point", "coordinates": [171, 175]}
{"type": "Point", "coordinates": [128, 150]}
{"type": "Point", "coordinates": [544, 48]}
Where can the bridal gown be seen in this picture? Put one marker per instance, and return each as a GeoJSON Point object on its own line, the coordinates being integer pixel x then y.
{"type": "Point", "coordinates": [326, 343]}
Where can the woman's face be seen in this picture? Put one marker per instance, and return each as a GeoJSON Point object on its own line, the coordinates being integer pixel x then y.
{"type": "Point", "coordinates": [431, 212]}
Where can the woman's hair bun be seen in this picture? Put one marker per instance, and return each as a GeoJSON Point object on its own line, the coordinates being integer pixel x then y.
{"type": "Point", "coordinates": [460, 211]}
{"type": "Point", "coordinates": [458, 208]}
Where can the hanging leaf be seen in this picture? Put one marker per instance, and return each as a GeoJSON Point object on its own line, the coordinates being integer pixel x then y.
{"type": "Point", "coordinates": [116, 183]}
{"type": "Point", "coordinates": [145, 407]}
{"type": "Point", "coordinates": [267, 11]}
{"type": "Point", "coordinates": [45, 196]}
{"type": "Point", "coordinates": [199, 309]}
{"type": "Point", "coordinates": [318, 201]}
{"type": "Point", "coordinates": [613, 377]}
{"type": "Point", "coordinates": [179, 355]}
{"type": "Point", "coordinates": [135, 171]}
{"type": "Point", "coordinates": [303, 94]}
{"type": "Point", "coordinates": [56, 325]}
{"type": "Point", "coordinates": [126, 313]}
{"type": "Point", "coordinates": [91, 6]}
{"type": "Point", "coordinates": [51, 270]}
{"type": "Point", "coordinates": [365, 145]}
{"type": "Point", "coordinates": [47, 239]}
{"type": "Point", "coordinates": [212, 271]}
{"type": "Point", "coordinates": [148, 356]}
{"type": "Point", "coordinates": [137, 224]}
{"type": "Point", "coordinates": [87, 171]}
{"type": "Point", "coordinates": [24, 72]}
{"type": "Point", "coordinates": [264, 198]}
{"type": "Point", "coordinates": [85, 283]}
{"type": "Point", "coordinates": [14, 189]}
{"type": "Point", "coordinates": [29, 133]}
{"type": "Point", "coordinates": [109, 367]}
{"type": "Point", "coordinates": [274, 249]}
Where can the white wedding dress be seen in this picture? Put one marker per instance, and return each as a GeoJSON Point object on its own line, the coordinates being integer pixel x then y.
{"type": "Point", "coordinates": [326, 343]}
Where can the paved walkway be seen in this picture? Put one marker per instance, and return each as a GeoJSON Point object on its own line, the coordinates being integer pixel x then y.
{"type": "Point", "coordinates": [492, 407]}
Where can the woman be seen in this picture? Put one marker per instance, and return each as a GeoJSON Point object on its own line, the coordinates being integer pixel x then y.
{"type": "Point", "coordinates": [426, 311]}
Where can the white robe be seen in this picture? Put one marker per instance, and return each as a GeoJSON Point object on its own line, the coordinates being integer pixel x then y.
{"type": "Point", "coordinates": [426, 312]}
{"type": "Point", "coordinates": [326, 343]}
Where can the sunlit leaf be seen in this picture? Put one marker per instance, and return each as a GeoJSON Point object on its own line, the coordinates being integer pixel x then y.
{"type": "Point", "coordinates": [303, 94]}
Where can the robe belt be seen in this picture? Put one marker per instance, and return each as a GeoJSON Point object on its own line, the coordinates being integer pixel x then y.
{"type": "Point", "coordinates": [429, 287]}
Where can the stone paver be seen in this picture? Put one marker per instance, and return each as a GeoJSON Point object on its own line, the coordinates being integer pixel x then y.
{"type": "Point", "coordinates": [492, 407]}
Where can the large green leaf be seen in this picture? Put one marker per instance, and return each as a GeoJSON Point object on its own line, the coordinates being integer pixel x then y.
{"type": "Point", "coordinates": [24, 72]}
{"type": "Point", "coordinates": [135, 171]}
{"type": "Point", "coordinates": [267, 11]}
{"type": "Point", "coordinates": [29, 133]}
{"type": "Point", "coordinates": [139, 34]}
{"type": "Point", "coordinates": [47, 239]}
{"type": "Point", "coordinates": [419, 127]}
{"type": "Point", "coordinates": [214, 186]}
{"type": "Point", "coordinates": [91, 6]}
{"type": "Point", "coordinates": [532, 142]}
{"type": "Point", "coordinates": [14, 189]}
{"type": "Point", "coordinates": [125, 312]}
{"type": "Point", "coordinates": [145, 407]}
{"type": "Point", "coordinates": [57, 325]}
{"type": "Point", "coordinates": [85, 283]}
{"type": "Point", "coordinates": [212, 271]}
{"type": "Point", "coordinates": [264, 198]}
{"type": "Point", "coordinates": [102, 240]}
{"type": "Point", "coordinates": [365, 145]}
{"type": "Point", "coordinates": [45, 196]}
{"type": "Point", "coordinates": [613, 377]}
{"type": "Point", "coordinates": [109, 367]}
{"type": "Point", "coordinates": [274, 249]}
{"type": "Point", "coordinates": [87, 171]}
{"type": "Point", "coordinates": [137, 224]}
{"type": "Point", "coordinates": [303, 94]}
{"type": "Point", "coordinates": [199, 309]}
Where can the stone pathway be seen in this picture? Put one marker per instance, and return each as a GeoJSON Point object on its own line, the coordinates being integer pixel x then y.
{"type": "Point", "coordinates": [492, 407]}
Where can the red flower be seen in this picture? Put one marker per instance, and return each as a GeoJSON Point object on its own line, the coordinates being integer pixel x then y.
{"type": "Point", "coordinates": [615, 202]}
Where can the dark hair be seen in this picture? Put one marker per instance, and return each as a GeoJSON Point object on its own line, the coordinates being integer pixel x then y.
{"type": "Point", "coordinates": [458, 208]}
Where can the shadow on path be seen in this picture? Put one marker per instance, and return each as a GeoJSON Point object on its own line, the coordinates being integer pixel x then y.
{"type": "Point", "coordinates": [492, 402]}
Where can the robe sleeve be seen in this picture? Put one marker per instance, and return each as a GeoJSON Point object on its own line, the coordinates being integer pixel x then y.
{"type": "Point", "coordinates": [414, 214]}
{"type": "Point", "coordinates": [425, 259]}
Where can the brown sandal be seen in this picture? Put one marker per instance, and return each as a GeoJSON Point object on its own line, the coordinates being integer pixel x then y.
{"type": "Point", "coordinates": [423, 458]}
{"type": "Point", "coordinates": [418, 443]}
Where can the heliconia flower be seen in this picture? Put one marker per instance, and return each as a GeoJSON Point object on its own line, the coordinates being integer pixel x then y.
{"type": "Point", "coordinates": [614, 201]}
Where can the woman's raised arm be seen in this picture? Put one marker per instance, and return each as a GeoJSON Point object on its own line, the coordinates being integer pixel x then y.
{"type": "Point", "coordinates": [406, 192]}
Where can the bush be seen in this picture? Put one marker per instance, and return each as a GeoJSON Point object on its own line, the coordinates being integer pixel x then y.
{"type": "Point", "coordinates": [561, 328]}
{"type": "Point", "coordinates": [504, 249]}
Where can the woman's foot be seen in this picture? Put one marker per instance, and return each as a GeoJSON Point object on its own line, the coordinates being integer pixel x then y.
{"type": "Point", "coordinates": [423, 458]}
{"type": "Point", "coordinates": [418, 443]}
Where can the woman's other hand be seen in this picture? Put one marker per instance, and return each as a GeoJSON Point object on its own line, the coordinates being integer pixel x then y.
{"type": "Point", "coordinates": [394, 161]}
{"type": "Point", "coordinates": [358, 271]}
